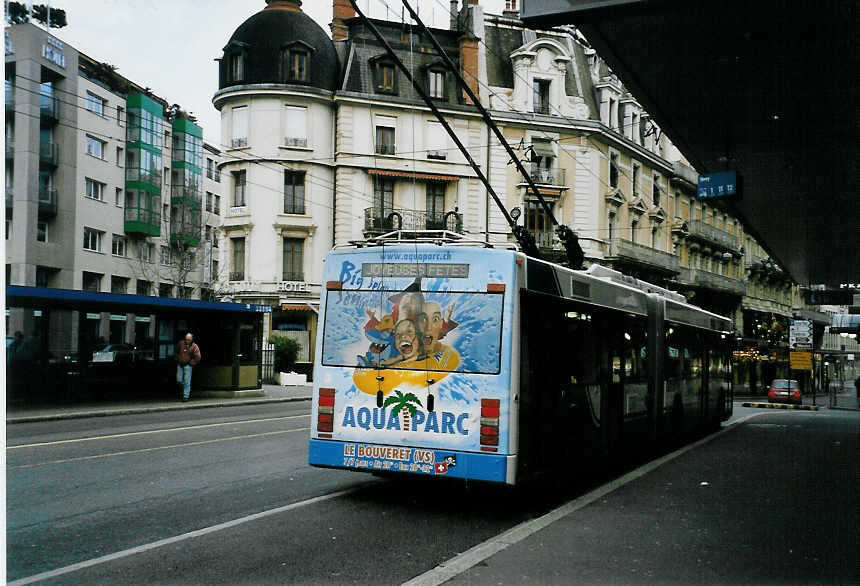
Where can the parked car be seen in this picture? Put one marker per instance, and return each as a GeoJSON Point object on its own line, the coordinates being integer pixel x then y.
{"type": "Point", "coordinates": [783, 390]}
{"type": "Point", "coordinates": [114, 353]}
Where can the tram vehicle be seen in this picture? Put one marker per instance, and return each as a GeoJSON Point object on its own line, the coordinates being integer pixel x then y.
{"type": "Point", "coordinates": [442, 357]}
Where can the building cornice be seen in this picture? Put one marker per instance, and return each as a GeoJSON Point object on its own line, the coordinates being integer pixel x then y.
{"type": "Point", "coordinates": [269, 89]}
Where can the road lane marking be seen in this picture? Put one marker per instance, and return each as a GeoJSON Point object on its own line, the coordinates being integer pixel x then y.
{"type": "Point", "coordinates": [144, 450]}
{"type": "Point", "coordinates": [133, 433]}
{"type": "Point", "coordinates": [191, 534]}
{"type": "Point", "coordinates": [459, 564]}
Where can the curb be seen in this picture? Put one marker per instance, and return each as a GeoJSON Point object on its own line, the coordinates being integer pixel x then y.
{"type": "Point", "coordinates": [782, 406]}
{"type": "Point", "coordinates": [139, 410]}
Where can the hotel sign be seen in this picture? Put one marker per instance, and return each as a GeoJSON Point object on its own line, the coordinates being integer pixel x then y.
{"type": "Point", "coordinates": [293, 287]}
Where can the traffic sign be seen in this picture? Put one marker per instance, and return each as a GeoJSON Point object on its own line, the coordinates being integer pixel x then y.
{"type": "Point", "coordinates": [801, 360]}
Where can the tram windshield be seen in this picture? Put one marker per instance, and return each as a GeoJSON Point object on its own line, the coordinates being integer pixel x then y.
{"type": "Point", "coordinates": [414, 330]}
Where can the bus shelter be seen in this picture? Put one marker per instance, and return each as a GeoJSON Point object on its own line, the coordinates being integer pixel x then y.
{"type": "Point", "coordinates": [64, 345]}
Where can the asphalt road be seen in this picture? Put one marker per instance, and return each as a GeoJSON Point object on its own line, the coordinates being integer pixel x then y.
{"type": "Point", "coordinates": [132, 488]}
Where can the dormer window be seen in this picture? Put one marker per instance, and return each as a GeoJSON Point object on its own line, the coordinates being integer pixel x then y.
{"type": "Point", "coordinates": [234, 66]}
{"type": "Point", "coordinates": [237, 66]}
{"type": "Point", "coordinates": [296, 62]}
{"type": "Point", "coordinates": [384, 75]}
{"type": "Point", "coordinates": [436, 83]}
{"type": "Point", "coordinates": [298, 65]}
{"type": "Point", "coordinates": [385, 82]}
{"type": "Point", "coordinates": [541, 96]}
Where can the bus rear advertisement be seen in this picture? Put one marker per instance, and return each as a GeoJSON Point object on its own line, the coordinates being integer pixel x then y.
{"type": "Point", "coordinates": [414, 368]}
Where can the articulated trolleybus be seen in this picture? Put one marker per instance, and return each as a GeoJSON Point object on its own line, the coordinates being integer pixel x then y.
{"type": "Point", "coordinates": [442, 357]}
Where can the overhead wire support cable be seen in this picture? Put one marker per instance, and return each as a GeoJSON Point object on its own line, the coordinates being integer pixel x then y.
{"type": "Point", "coordinates": [568, 238]}
{"type": "Point", "coordinates": [525, 239]}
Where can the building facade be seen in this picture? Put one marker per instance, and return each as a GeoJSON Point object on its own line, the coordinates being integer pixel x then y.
{"type": "Point", "coordinates": [104, 186]}
{"type": "Point", "coordinates": [329, 142]}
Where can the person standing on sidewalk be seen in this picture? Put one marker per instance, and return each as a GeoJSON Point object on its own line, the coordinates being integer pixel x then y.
{"type": "Point", "coordinates": [187, 357]}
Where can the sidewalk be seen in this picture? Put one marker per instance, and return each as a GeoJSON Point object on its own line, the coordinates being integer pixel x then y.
{"type": "Point", "coordinates": [268, 394]}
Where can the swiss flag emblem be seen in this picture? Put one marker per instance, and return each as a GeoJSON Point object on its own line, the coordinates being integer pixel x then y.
{"type": "Point", "coordinates": [441, 467]}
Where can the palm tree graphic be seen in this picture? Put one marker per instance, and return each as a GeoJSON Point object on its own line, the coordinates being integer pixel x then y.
{"type": "Point", "coordinates": [404, 404]}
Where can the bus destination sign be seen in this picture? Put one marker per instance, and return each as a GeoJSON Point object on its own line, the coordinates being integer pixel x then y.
{"type": "Point", "coordinates": [415, 270]}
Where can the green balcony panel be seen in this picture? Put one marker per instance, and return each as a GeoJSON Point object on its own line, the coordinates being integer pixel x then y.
{"type": "Point", "coordinates": [142, 214]}
{"type": "Point", "coordinates": [145, 122]}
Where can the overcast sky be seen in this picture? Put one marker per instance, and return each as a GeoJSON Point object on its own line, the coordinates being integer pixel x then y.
{"type": "Point", "coordinates": [170, 45]}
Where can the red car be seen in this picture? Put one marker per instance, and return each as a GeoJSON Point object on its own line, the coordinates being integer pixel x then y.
{"type": "Point", "coordinates": [784, 391]}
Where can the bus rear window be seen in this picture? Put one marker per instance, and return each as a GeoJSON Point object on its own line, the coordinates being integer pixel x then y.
{"type": "Point", "coordinates": [413, 330]}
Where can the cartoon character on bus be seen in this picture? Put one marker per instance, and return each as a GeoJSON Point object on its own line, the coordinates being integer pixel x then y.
{"type": "Point", "coordinates": [407, 342]}
{"type": "Point", "coordinates": [380, 333]}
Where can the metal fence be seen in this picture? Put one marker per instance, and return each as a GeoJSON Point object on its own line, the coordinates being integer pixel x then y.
{"type": "Point", "coordinates": [269, 374]}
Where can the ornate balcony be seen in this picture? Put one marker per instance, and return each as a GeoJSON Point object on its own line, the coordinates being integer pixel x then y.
{"type": "Point", "coordinates": [709, 280]}
{"type": "Point", "coordinates": [379, 221]}
{"type": "Point", "coordinates": [47, 202]}
{"type": "Point", "coordinates": [643, 256]}
{"type": "Point", "coordinates": [712, 235]}
{"type": "Point", "coordinates": [542, 176]}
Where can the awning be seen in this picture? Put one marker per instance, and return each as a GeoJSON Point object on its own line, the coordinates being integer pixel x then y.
{"type": "Point", "coordinates": [412, 175]}
{"type": "Point", "coordinates": [296, 307]}
{"type": "Point", "coordinates": [542, 148]}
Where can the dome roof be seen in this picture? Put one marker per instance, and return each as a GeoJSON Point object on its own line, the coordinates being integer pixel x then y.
{"type": "Point", "coordinates": [258, 51]}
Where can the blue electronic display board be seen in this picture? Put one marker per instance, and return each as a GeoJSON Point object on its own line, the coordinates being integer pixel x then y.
{"type": "Point", "coordinates": [718, 185]}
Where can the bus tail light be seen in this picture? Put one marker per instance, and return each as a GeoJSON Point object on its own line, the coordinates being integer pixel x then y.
{"type": "Point", "coordinates": [490, 425]}
{"type": "Point", "coordinates": [325, 413]}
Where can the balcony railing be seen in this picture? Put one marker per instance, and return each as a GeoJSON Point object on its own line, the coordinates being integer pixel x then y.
{"type": "Point", "coordinates": [296, 142]}
{"type": "Point", "coordinates": [47, 202]}
{"type": "Point", "coordinates": [189, 194]}
{"type": "Point", "coordinates": [49, 153]}
{"type": "Point", "coordinates": [153, 177]}
{"type": "Point", "coordinates": [542, 109]}
{"type": "Point", "coordinates": [639, 254]}
{"type": "Point", "coordinates": [237, 143]}
{"type": "Point", "coordinates": [290, 276]}
{"type": "Point", "coordinates": [709, 280]}
{"type": "Point", "coordinates": [385, 220]}
{"type": "Point", "coordinates": [545, 239]}
{"type": "Point", "coordinates": [385, 149]}
{"type": "Point", "coordinates": [545, 176]}
{"type": "Point", "coordinates": [237, 276]}
{"type": "Point", "coordinates": [146, 222]}
{"type": "Point", "coordinates": [712, 235]}
{"type": "Point", "coordinates": [49, 109]}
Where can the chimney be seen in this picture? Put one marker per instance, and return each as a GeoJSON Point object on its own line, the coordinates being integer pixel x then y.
{"type": "Point", "coordinates": [294, 5]}
{"type": "Point", "coordinates": [341, 11]}
{"type": "Point", "coordinates": [511, 10]}
{"type": "Point", "coordinates": [469, 63]}
{"type": "Point", "coordinates": [455, 11]}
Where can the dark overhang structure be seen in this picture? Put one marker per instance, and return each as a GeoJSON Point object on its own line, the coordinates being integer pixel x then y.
{"type": "Point", "coordinates": [767, 88]}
